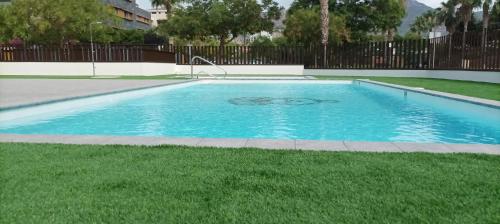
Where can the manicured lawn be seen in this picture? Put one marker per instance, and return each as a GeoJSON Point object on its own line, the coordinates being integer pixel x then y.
{"type": "Point", "coordinates": [475, 89]}
{"type": "Point", "coordinates": [171, 184]}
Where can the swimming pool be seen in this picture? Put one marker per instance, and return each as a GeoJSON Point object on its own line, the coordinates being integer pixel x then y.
{"type": "Point", "coordinates": [311, 110]}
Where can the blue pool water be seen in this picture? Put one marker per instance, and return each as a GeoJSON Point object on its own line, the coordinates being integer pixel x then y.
{"type": "Point", "coordinates": [283, 110]}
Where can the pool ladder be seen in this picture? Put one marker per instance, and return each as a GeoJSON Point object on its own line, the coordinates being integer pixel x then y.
{"type": "Point", "coordinates": [207, 61]}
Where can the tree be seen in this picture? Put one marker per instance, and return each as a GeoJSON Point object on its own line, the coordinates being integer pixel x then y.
{"type": "Point", "coordinates": [3, 25]}
{"type": "Point", "coordinates": [420, 25]}
{"type": "Point", "coordinates": [325, 22]}
{"type": "Point", "coordinates": [363, 17]}
{"type": "Point", "coordinates": [303, 27]}
{"type": "Point", "coordinates": [447, 15]}
{"type": "Point", "coordinates": [465, 12]}
{"type": "Point", "coordinates": [486, 14]}
{"type": "Point", "coordinates": [168, 4]}
{"type": "Point", "coordinates": [55, 21]}
{"type": "Point", "coordinates": [388, 15]}
{"type": "Point", "coordinates": [425, 22]}
{"type": "Point", "coordinates": [224, 19]}
{"type": "Point", "coordinates": [495, 14]}
{"type": "Point", "coordinates": [263, 41]}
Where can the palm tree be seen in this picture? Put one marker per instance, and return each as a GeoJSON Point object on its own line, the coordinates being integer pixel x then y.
{"type": "Point", "coordinates": [420, 25]}
{"type": "Point", "coordinates": [425, 22]}
{"type": "Point", "coordinates": [486, 22]}
{"type": "Point", "coordinates": [447, 15]}
{"type": "Point", "coordinates": [168, 4]}
{"type": "Point", "coordinates": [325, 26]}
{"type": "Point", "coordinates": [486, 13]}
{"type": "Point", "coordinates": [465, 12]}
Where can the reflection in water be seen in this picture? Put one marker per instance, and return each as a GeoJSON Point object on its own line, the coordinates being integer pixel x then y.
{"type": "Point", "coordinates": [260, 101]}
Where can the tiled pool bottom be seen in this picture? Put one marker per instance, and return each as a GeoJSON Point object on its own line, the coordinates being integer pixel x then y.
{"type": "Point", "coordinates": [335, 111]}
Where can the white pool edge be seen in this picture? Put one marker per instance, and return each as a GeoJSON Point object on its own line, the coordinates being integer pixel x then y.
{"type": "Point", "coordinates": [268, 144]}
{"type": "Point", "coordinates": [467, 99]}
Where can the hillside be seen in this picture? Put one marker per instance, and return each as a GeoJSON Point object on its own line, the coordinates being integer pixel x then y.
{"type": "Point", "coordinates": [413, 9]}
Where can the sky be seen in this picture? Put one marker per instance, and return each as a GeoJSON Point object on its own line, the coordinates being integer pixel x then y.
{"type": "Point", "coordinates": [432, 3]}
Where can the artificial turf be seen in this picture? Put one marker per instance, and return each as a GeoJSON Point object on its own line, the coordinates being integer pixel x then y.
{"type": "Point", "coordinates": [50, 183]}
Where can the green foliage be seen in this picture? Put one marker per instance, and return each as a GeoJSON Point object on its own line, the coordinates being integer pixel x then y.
{"type": "Point", "coordinates": [168, 4]}
{"type": "Point", "coordinates": [130, 36]}
{"type": "Point", "coordinates": [281, 41]}
{"type": "Point", "coordinates": [495, 15]}
{"type": "Point", "coordinates": [208, 41]}
{"type": "Point", "coordinates": [223, 19]}
{"type": "Point", "coordinates": [447, 15]}
{"type": "Point", "coordinates": [303, 27]}
{"type": "Point", "coordinates": [262, 41]}
{"type": "Point", "coordinates": [362, 17]}
{"type": "Point", "coordinates": [388, 15]}
{"type": "Point", "coordinates": [412, 36]}
{"type": "Point", "coordinates": [54, 21]}
{"type": "Point", "coordinates": [426, 22]}
{"type": "Point", "coordinates": [3, 24]}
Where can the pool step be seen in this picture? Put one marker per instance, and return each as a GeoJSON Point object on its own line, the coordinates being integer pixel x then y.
{"type": "Point", "coordinates": [262, 77]}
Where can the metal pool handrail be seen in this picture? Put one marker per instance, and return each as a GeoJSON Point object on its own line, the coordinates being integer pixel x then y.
{"type": "Point", "coordinates": [209, 62]}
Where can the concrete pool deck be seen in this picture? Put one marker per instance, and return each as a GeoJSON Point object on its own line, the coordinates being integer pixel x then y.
{"type": "Point", "coordinates": [16, 93]}
{"type": "Point", "coordinates": [312, 145]}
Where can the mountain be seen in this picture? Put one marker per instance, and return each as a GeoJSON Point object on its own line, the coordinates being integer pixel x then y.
{"type": "Point", "coordinates": [413, 9]}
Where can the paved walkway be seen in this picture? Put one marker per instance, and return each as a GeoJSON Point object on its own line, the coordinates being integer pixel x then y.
{"type": "Point", "coordinates": [257, 143]}
{"type": "Point", "coordinates": [24, 92]}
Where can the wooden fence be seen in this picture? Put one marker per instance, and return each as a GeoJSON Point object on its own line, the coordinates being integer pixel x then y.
{"type": "Point", "coordinates": [448, 52]}
{"type": "Point", "coordinates": [82, 53]}
{"type": "Point", "coordinates": [438, 53]}
{"type": "Point", "coordinates": [242, 55]}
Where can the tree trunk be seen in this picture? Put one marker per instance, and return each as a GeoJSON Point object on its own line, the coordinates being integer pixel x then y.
{"type": "Point", "coordinates": [168, 5]}
{"type": "Point", "coordinates": [486, 14]}
{"type": "Point", "coordinates": [466, 13]}
{"type": "Point", "coordinates": [390, 34]}
{"type": "Point", "coordinates": [222, 45]}
{"type": "Point", "coordinates": [450, 39]}
{"type": "Point", "coordinates": [486, 21]}
{"type": "Point", "coordinates": [466, 25]}
{"type": "Point", "coordinates": [325, 25]}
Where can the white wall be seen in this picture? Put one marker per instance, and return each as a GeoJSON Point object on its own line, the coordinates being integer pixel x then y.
{"type": "Point", "coordinates": [493, 77]}
{"type": "Point", "coordinates": [118, 68]}
{"type": "Point", "coordinates": [147, 69]}
{"type": "Point", "coordinates": [85, 68]}
{"type": "Point", "coordinates": [244, 69]}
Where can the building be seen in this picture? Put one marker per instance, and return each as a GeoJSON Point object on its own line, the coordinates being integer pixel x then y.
{"type": "Point", "coordinates": [158, 15]}
{"type": "Point", "coordinates": [132, 16]}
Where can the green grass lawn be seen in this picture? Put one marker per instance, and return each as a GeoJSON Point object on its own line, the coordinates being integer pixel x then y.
{"type": "Point", "coordinates": [467, 88]}
{"type": "Point", "coordinates": [171, 184]}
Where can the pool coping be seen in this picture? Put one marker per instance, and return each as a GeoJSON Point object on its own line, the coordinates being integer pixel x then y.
{"type": "Point", "coordinates": [21, 106]}
{"type": "Point", "coordinates": [468, 99]}
{"type": "Point", "coordinates": [268, 144]}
